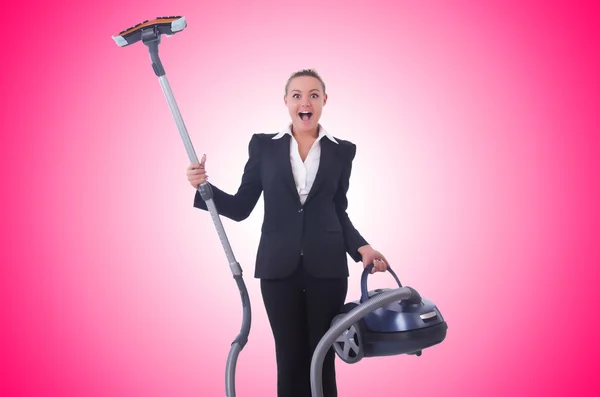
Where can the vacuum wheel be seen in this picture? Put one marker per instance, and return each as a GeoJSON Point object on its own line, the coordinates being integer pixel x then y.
{"type": "Point", "coordinates": [349, 345]}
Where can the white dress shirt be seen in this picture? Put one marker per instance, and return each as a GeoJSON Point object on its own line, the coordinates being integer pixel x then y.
{"type": "Point", "coordinates": [305, 172]}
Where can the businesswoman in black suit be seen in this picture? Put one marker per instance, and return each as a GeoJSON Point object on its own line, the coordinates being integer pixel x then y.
{"type": "Point", "coordinates": [301, 262]}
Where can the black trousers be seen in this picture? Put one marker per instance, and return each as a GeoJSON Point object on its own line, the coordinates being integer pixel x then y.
{"type": "Point", "coordinates": [300, 309]}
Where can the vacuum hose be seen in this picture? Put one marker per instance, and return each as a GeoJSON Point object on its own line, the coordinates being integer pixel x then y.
{"type": "Point", "coordinates": [353, 316]}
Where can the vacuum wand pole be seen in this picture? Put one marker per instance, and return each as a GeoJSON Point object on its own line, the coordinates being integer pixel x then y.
{"type": "Point", "coordinates": [207, 195]}
{"type": "Point", "coordinates": [150, 33]}
{"type": "Point", "coordinates": [205, 188]}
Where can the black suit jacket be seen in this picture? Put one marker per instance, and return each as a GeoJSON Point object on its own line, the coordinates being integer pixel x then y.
{"type": "Point", "coordinates": [320, 228]}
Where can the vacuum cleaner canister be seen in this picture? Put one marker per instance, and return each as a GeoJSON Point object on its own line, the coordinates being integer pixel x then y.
{"type": "Point", "coordinates": [403, 327]}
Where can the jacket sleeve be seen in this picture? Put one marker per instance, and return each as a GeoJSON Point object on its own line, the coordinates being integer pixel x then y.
{"type": "Point", "coordinates": [239, 205]}
{"type": "Point", "coordinates": [352, 237]}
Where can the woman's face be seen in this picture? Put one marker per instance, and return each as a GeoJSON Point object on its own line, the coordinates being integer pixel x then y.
{"type": "Point", "coordinates": [305, 100]}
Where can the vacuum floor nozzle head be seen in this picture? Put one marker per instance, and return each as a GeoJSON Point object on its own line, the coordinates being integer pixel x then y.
{"type": "Point", "coordinates": [161, 25]}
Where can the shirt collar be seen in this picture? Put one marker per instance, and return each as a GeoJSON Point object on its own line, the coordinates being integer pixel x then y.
{"type": "Point", "coordinates": [322, 132]}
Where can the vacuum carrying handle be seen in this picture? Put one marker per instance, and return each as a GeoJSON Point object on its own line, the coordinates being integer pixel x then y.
{"type": "Point", "coordinates": [363, 281]}
{"type": "Point", "coordinates": [415, 297]}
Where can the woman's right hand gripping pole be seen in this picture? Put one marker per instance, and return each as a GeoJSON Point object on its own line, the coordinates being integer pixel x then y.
{"type": "Point", "coordinates": [196, 173]}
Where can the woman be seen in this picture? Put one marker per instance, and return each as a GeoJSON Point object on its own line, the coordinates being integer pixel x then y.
{"type": "Point", "coordinates": [304, 174]}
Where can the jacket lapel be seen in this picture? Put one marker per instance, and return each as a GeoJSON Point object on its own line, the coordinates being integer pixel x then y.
{"type": "Point", "coordinates": [283, 158]}
{"type": "Point", "coordinates": [327, 162]}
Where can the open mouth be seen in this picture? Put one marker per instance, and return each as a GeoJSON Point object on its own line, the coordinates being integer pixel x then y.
{"type": "Point", "coordinates": [304, 116]}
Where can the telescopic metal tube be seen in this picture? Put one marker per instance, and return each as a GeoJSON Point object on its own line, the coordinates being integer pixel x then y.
{"type": "Point", "coordinates": [206, 193]}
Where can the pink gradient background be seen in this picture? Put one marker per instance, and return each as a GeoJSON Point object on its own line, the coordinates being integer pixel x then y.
{"type": "Point", "coordinates": [476, 175]}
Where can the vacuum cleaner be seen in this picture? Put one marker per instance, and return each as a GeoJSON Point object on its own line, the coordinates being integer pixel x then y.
{"type": "Point", "coordinates": [402, 327]}
{"type": "Point", "coordinates": [383, 322]}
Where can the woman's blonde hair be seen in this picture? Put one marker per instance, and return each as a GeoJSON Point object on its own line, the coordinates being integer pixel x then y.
{"type": "Point", "coordinates": [304, 72]}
